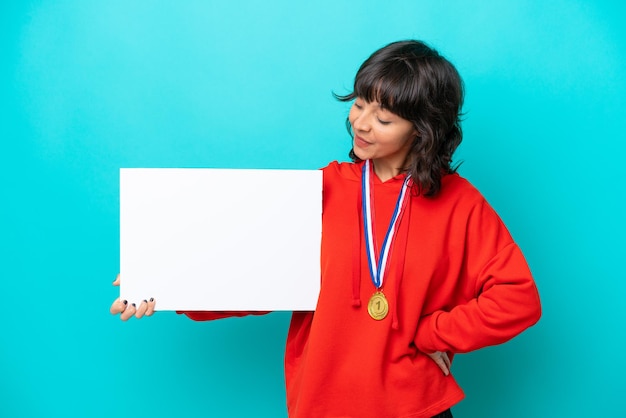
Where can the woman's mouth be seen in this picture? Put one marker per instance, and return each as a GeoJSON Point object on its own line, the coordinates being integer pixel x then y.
{"type": "Point", "coordinates": [360, 142]}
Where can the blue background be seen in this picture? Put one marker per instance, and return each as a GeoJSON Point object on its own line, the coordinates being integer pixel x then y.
{"type": "Point", "coordinates": [87, 87]}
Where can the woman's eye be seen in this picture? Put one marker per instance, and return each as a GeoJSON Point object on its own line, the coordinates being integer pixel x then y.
{"type": "Point", "coordinates": [384, 122]}
{"type": "Point", "coordinates": [358, 105]}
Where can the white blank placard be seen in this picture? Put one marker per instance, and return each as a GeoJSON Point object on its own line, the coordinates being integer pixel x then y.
{"type": "Point", "coordinates": [221, 239]}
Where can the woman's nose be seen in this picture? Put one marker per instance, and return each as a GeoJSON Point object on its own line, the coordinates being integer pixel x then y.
{"type": "Point", "coordinates": [361, 123]}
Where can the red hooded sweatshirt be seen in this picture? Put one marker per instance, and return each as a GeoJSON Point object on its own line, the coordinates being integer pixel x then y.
{"type": "Point", "coordinates": [456, 281]}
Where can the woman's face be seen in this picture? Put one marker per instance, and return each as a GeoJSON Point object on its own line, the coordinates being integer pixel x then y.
{"type": "Point", "coordinates": [379, 134]}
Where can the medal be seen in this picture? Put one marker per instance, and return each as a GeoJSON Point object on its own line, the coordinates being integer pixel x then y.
{"type": "Point", "coordinates": [378, 306]}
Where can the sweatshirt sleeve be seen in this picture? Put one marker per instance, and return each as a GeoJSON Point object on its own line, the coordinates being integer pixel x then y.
{"type": "Point", "coordinates": [501, 301]}
{"type": "Point", "coordinates": [213, 315]}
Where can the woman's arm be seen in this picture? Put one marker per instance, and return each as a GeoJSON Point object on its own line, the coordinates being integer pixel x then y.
{"type": "Point", "coordinates": [507, 303]}
{"type": "Point", "coordinates": [501, 299]}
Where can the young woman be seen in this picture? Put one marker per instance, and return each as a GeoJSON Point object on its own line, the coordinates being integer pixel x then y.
{"type": "Point", "coordinates": [416, 266]}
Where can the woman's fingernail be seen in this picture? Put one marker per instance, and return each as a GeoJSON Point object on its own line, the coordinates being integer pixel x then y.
{"type": "Point", "coordinates": [125, 302]}
{"type": "Point", "coordinates": [134, 306]}
{"type": "Point", "coordinates": [145, 301]}
{"type": "Point", "coordinates": [151, 299]}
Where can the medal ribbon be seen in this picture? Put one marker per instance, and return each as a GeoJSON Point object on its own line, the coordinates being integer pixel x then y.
{"type": "Point", "coordinates": [378, 265]}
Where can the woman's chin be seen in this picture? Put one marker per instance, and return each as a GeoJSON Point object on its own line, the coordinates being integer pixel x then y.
{"type": "Point", "coordinates": [359, 153]}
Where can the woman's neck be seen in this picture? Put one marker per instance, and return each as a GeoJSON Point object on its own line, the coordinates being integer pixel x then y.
{"type": "Point", "coordinates": [385, 170]}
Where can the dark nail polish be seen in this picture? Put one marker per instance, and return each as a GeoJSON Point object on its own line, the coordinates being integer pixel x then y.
{"type": "Point", "coordinates": [145, 301]}
{"type": "Point", "coordinates": [151, 299]}
{"type": "Point", "coordinates": [125, 302]}
{"type": "Point", "coordinates": [134, 306]}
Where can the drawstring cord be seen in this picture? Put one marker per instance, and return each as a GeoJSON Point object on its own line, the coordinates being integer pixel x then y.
{"type": "Point", "coordinates": [402, 238]}
{"type": "Point", "coordinates": [356, 259]}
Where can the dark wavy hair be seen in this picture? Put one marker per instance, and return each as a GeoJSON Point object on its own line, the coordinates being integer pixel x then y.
{"type": "Point", "coordinates": [412, 80]}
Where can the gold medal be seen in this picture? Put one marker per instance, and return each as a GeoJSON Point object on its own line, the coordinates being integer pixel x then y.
{"type": "Point", "coordinates": [378, 307]}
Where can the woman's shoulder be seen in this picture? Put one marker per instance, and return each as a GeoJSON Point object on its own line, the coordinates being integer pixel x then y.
{"type": "Point", "coordinates": [336, 170]}
{"type": "Point", "coordinates": [456, 183]}
{"type": "Point", "coordinates": [463, 199]}
{"type": "Point", "coordinates": [458, 190]}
